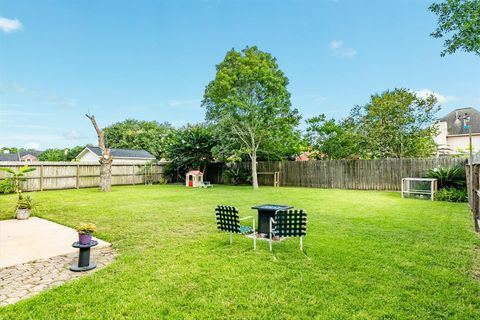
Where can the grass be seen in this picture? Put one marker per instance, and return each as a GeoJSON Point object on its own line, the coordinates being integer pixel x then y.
{"type": "Point", "coordinates": [371, 255]}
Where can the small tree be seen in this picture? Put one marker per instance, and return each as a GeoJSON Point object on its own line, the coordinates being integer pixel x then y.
{"type": "Point", "coordinates": [249, 103]}
{"type": "Point", "coordinates": [16, 177]}
{"type": "Point", "coordinates": [461, 20]}
{"type": "Point", "coordinates": [105, 159]}
{"type": "Point", "coordinates": [52, 155]}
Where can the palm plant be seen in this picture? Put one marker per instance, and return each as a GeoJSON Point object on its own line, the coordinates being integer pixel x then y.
{"type": "Point", "coordinates": [449, 177]}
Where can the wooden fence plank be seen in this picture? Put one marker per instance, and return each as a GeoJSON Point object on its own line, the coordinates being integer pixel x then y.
{"type": "Point", "coordinates": [379, 174]}
{"type": "Point", "coordinates": [70, 175]}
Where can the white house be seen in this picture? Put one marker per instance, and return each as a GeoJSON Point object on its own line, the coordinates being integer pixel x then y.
{"type": "Point", "coordinates": [92, 154]}
{"type": "Point", "coordinates": [453, 135]}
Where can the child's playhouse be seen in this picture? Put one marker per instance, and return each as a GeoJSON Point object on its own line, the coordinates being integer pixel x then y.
{"type": "Point", "coordinates": [194, 179]}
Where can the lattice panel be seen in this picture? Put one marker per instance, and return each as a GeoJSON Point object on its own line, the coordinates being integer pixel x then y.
{"type": "Point", "coordinates": [291, 223]}
{"type": "Point", "coordinates": [227, 219]}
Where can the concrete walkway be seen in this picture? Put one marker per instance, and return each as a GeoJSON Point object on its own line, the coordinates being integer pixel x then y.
{"type": "Point", "coordinates": [22, 241]}
{"type": "Point", "coordinates": [36, 254]}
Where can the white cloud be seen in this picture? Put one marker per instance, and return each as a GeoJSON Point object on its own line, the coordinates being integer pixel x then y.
{"type": "Point", "coordinates": [340, 50]}
{"type": "Point", "coordinates": [73, 135]}
{"type": "Point", "coordinates": [53, 98]}
{"type": "Point", "coordinates": [315, 98]}
{"type": "Point", "coordinates": [336, 44]}
{"type": "Point", "coordinates": [183, 103]}
{"type": "Point", "coordinates": [10, 25]}
{"type": "Point", "coordinates": [32, 145]}
{"type": "Point", "coordinates": [11, 87]}
{"type": "Point", "coordinates": [441, 99]}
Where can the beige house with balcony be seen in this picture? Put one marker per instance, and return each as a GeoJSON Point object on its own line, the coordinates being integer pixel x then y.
{"type": "Point", "coordinates": [453, 137]}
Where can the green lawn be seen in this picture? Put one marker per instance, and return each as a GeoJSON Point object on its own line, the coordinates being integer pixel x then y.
{"type": "Point", "coordinates": [369, 255]}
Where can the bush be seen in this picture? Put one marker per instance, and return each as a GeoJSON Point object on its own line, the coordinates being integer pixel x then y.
{"type": "Point", "coordinates": [449, 177]}
{"type": "Point", "coordinates": [236, 175]}
{"type": "Point", "coordinates": [7, 186]}
{"type": "Point", "coordinates": [452, 195]}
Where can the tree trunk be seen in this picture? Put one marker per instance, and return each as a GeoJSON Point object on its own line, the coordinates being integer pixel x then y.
{"type": "Point", "coordinates": [254, 171]}
{"type": "Point", "coordinates": [105, 173]}
{"type": "Point", "coordinates": [105, 159]}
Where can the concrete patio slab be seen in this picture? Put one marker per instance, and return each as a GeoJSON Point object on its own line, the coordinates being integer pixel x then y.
{"type": "Point", "coordinates": [22, 241]}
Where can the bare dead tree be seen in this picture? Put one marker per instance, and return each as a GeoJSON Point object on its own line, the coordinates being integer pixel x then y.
{"type": "Point", "coordinates": [105, 159]}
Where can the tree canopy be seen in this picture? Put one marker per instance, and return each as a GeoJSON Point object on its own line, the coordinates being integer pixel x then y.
{"type": "Point", "coordinates": [459, 19]}
{"type": "Point", "coordinates": [55, 154]}
{"type": "Point", "coordinates": [138, 134]}
{"type": "Point", "coordinates": [190, 147]}
{"type": "Point", "coordinates": [396, 124]}
{"type": "Point", "coordinates": [249, 103]}
{"type": "Point", "coordinates": [331, 139]}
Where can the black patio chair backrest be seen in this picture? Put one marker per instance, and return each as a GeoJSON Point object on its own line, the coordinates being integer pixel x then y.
{"type": "Point", "coordinates": [227, 219]}
{"type": "Point", "coordinates": [290, 223]}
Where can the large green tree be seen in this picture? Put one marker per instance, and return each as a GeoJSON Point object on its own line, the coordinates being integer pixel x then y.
{"type": "Point", "coordinates": [396, 124]}
{"type": "Point", "coordinates": [459, 19]}
{"type": "Point", "coordinates": [137, 134]}
{"type": "Point", "coordinates": [190, 147]}
{"type": "Point", "coordinates": [331, 139]}
{"type": "Point", "coordinates": [249, 103]}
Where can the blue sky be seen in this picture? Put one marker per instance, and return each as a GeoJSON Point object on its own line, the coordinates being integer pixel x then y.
{"type": "Point", "coordinates": [152, 59]}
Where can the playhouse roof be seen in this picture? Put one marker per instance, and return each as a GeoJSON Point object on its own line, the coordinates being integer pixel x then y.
{"type": "Point", "coordinates": [196, 172]}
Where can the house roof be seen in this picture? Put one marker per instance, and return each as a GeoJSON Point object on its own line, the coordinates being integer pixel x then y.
{"type": "Point", "coordinates": [34, 153]}
{"type": "Point", "coordinates": [123, 153]}
{"type": "Point", "coordinates": [455, 127]}
{"type": "Point", "coordinates": [195, 172]}
{"type": "Point", "coordinates": [8, 157]}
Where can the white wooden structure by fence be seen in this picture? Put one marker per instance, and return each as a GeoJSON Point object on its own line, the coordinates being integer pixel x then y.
{"type": "Point", "coordinates": [71, 175]}
{"type": "Point", "coordinates": [419, 188]}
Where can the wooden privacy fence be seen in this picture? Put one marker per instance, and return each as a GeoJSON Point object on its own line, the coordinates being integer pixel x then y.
{"type": "Point", "coordinates": [474, 197]}
{"type": "Point", "coordinates": [70, 175]}
{"type": "Point", "coordinates": [382, 174]}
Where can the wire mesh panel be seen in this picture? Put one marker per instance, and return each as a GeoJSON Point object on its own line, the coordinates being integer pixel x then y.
{"type": "Point", "coordinates": [227, 219]}
{"type": "Point", "coordinates": [290, 223]}
{"type": "Point", "coordinates": [419, 188]}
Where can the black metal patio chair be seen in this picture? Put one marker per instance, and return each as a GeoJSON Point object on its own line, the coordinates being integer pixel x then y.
{"type": "Point", "coordinates": [228, 220]}
{"type": "Point", "coordinates": [288, 223]}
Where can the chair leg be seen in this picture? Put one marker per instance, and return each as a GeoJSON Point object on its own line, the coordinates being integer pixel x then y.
{"type": "Point", "coordinates": [270, 234]}
{"type": "Point", "coordinates": [254, 236]}
{"type": "Point", "coordinates": [231, 238]}
{"type": "Point", "coordinates": [301, 243]}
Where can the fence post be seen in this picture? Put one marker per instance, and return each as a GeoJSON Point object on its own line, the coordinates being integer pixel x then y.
{"type": "Point", "coordinates": [77, 183]}
{"type": "Point", "coordinates": [41, 177]}
{"type": "Point", "coordinates": [133, 174]}
{"type": "Point", "coordinates": [476, 196]}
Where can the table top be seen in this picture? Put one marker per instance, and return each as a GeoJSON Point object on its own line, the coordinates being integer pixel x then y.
{"type": "Point", "coordinates": [92, 243]}
{"type": "Point", "coordinates": [272, 207]}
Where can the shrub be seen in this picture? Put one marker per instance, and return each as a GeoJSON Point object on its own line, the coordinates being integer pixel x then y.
{"type": "Point", "coordinates": [449, 177]}
{"type": "Point", "coordinates": [7, 186]}
{"type": "Point", "coordinates": [236, 175]}
{"type": "Point", "coordinates": [452, 195]}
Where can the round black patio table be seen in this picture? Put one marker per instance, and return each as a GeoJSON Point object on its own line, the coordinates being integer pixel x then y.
{"type": "Point", "coordinates": [265, 212]}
